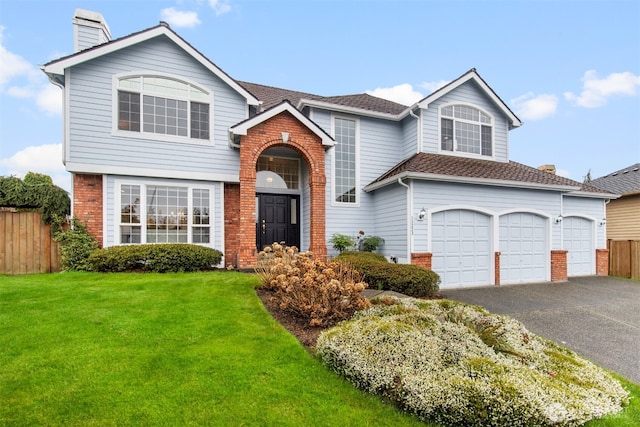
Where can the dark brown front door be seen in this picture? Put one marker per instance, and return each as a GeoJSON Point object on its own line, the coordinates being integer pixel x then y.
{"type": "Point", "coordinates": [277, 220]}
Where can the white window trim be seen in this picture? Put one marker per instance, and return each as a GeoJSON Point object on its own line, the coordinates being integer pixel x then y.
{"type": "Point", "coordinates": [143, 208]}
{"type": "Point", "coordinates": [333, 162]}
{"type": "Point", "coordinates": [455, 151]}
{"type": "Point", "coordinates": [158, 136]}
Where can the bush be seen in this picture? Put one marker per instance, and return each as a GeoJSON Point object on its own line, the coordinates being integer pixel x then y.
{"type": "Point", "coordinates": [407, 279]}
{"type": "Point", "coordinates": [159, 258]}
{"type": "Point", "coordinates": [461, 365]}
{"type": "Point", "coordinates": [35, 192]}
{"type": "Point", "coordinates": [76, 244]}
{"type": "Point", "coordinates": [318, 292]}
{"type": "Point", "coordinates": [341, 242]}
{"type": "Point", "coordinates": [371, 243]}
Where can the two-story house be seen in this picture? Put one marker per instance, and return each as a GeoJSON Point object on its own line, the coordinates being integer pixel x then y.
{"type": "Point", "coordinates": [164, 146]}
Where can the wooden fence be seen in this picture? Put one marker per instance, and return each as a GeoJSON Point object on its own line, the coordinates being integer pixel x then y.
{"type": "Point", "coordinates": [26, 244]}
{"type": "Point", "coordinates": [624, 258]}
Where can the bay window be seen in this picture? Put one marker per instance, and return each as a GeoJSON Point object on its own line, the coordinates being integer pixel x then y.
{"type": "Point", "coordinates": [152, 213]}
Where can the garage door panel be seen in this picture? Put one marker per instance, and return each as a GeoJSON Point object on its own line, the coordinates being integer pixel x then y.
{"type": "Point", "coordinates": [523, 247]}
{"type": "Point", "coordinates": [579, 243]}
{"type": "Point", "coordinates": [461, 248]}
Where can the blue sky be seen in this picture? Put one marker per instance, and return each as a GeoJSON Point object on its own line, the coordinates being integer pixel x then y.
{"type": "Point", "coordinates": [569, 69]}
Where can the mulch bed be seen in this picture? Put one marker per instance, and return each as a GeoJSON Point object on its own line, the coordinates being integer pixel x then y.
{"type": "Point", "coordinates": [298, 327]}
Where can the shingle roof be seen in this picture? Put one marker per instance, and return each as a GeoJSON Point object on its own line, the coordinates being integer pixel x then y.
{"type": "Point", "coordinates": [624, 181]}
{"type": "Point", "coordinates": [438, 164]}
{"type": "Point", "coordinates": [271, 96]}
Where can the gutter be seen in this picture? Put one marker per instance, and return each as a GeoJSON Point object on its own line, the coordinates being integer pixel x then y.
{"type": "Point", "coordinates": [409, 219]}
{"type": "Point", "coordinates": [470, 180]}
{"type": "Point", "coordinates": [419, 126]}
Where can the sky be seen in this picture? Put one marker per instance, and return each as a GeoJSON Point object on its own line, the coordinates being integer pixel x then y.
{"type": "Point", "coordinates": [569, 69]}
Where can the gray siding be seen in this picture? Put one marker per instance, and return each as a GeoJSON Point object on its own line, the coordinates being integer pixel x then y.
{"type": "Point", "coordinates": [380, 149]}
{"type": "Point", "coordinates": [409, 136]}
{"type": "Point", "coordinates": [90, 104]}
{"type": "Point", "coordinates": [468, 93]}
{"type": "Point", "coordinates": [87, 36]}
{"type": "Point", "coordinates": [391, 221]}
{"type": "Point", "coordinates": [496, 200]}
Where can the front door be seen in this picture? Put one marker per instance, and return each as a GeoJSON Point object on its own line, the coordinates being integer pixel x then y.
{"type": "Point", "coordinates": [277, 220]}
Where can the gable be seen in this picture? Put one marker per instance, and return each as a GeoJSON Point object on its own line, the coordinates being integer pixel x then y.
{"type": "Point", "coordinates": [485, 89]}
{"type": "Point", "coordinates": [55, 69]}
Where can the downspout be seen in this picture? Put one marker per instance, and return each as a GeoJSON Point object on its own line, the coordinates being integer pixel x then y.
{"type": "Point", "coordinates": [418, 125]}
{"type": "Point", "coordinates": [409, 220]}
{"type": "Point", "coordinates": [231, 143]}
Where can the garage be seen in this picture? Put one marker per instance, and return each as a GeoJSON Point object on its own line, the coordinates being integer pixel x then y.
{"type": "Point", "coordinates": [523, 248]}
{"type": "Point", "coordinates": [577, 236]}
{"type": "Point", "coordinates": [461, 248]}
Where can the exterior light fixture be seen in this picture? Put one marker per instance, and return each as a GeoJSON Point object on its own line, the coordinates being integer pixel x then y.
{"type": "Point", "coordinates": [422, 215]}
{"type": "Point", "coordinates": [558, 219]}
{"type": "Point", "coordinates": [603, 221]}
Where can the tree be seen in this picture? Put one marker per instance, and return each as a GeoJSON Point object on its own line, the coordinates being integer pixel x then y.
{"type": "Point", "coordinates": [587, 177]}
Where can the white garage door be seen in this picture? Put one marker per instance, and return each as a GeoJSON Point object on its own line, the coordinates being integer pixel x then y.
{"type": "Point", "coordinates": [578, 241]}
{"type": "Point", "coordinates": [523, 248]}
{"type": "Point", "coordinates": [461, 248]}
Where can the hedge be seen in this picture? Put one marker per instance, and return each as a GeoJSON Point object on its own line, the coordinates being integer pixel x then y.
{"type": "Point", "coordinates": [159, 258]}
{"type": "Point", "coordinates": [407, 279]}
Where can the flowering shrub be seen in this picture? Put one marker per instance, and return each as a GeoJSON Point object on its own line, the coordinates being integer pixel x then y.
{"type": "Point", "coordinates": [323, 293]}
{"type": "Point", "coordinates": [460, 365]}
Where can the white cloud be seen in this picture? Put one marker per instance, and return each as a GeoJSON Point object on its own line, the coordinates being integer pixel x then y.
{"type": "Point", "coordinates": [179, 18]}
{"type": "Point", "coordinates": [45, 159]}
{"type": "Point", "coordinates": [402, 94]}
{"type": "Point", "coordinates": [535, 107]}
{"type": "Point", "coordinates": [49, 99]}
{"type": "Point", "coordinates": [13, 65]}
{"type": "Point", "coordinates": [433, 86]}
{"type": "Point", "coordinates": [220, 7]}
{"type": "Point", "coordinates": [27, 81]}
{"type": "Point", "coordinates": [596, 91]}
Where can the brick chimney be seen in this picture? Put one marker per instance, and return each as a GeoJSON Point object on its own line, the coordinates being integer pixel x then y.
{"type": "Point", "coordinates": [89, 29]}
{"type": "Point", "coordinates": [548, 168]}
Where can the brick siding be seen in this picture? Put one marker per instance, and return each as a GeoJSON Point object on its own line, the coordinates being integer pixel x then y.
{"type": "Point", "coordinates": [259, 138]}
{"type": "Point", "coordinates": [559, 266]}
{"type": "Point", "coordinates": [87, 203]}
{"type": "Point", "coordinates": [602, 262]}
{"type": "Point", "coordinates": [422, 259]}
{"type": "Point", "coordinates": [231, 224]}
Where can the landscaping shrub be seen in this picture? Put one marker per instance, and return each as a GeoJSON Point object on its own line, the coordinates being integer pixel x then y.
{"type": "Point", "coordinates": [461, 365]}
{"type": "Point", "coordinates": [407, 279]}
{"type": "Point", "coordinates": [76, 245]}
{"type": "Point", "coordinates": [35, 192]}
{"type": "Point", "coordinates": [159, 258]}
{"type": "Point", "coordinates": [322, 293]}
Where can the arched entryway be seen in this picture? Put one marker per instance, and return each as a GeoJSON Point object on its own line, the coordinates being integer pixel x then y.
{"type": "Point", "coordinates": [264, 140]}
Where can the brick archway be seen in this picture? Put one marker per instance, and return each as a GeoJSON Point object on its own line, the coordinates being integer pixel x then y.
{"type": "Point", "coordinates": [266, 135]}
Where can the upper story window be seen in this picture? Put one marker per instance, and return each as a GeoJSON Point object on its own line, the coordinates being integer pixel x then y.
{"type": "Point", "coordinates": [161, 105]}
{"type": "Point", "coordinates": [345, 160]}
{"type": "Point", "coordinates": [466, 129]}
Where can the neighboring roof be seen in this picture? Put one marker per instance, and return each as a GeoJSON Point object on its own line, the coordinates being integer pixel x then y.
{"type": "Point", "coordinates": [443, 167]}
{"type": "Point", "coordinates": [54, 69]}
{"type": "Point", "coordinates": [472, 75]}
{"type": "Point", "coordinates": [242, 127]}
{"type": "Point", "coordinates": [624, 182]}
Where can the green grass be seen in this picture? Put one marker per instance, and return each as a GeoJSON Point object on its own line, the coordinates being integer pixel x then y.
{"type": "Point", "coordinates": [169, 349]}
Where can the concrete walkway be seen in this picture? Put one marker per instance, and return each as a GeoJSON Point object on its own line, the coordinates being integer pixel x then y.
{"type": "Point", "coordinates": [597, 317]}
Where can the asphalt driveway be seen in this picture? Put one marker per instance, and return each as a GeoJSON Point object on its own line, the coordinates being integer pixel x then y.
{"type": "Point", "coordinates": [597, 317]}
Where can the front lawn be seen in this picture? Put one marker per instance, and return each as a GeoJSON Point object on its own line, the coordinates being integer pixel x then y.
{"type": "Point", "coordinates": [170, 349]}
